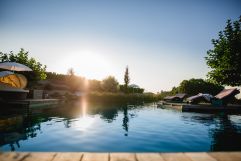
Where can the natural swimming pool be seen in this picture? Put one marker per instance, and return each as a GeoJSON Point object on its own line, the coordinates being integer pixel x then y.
{"type": "Point", "coordinates": [119, 128]}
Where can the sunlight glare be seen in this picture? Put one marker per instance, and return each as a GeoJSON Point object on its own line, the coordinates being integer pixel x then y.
{"type": "Point", "coordinates": [90, 64]}
{"type": "Point", "coordinates": [84, 121]}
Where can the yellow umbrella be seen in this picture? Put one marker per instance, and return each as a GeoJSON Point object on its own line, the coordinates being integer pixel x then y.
{"type": "Point", "coordinates": [14, 80]}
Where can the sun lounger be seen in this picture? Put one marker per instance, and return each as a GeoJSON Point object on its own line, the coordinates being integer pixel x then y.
{"type": "Point", "coordinates": [227, 95]}
{"type": "Point", "coordinates": [221, 99]}
{"type": "Point", "coordinates": [177, 98]}
{"type": "Point", "coordinates": [201, 97]}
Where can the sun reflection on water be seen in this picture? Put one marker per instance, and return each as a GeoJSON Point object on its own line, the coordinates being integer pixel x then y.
{"type": "Point", "coordinates": [84, 121]}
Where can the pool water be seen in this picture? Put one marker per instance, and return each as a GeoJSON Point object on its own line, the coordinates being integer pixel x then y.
{"type": "Point", "coordinates": [80, 126]}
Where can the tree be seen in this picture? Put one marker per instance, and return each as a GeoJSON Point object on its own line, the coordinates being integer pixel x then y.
{"type": "Point", "coordinates": [71, 72]}
{"type": "Point", "coordinates": [225, 59]}
{"type": "Point", "coordinates": [22, 57]}
{"type": "Point", "coordinates": [195, 86]}
{"type": "Point", "coordinates": [69, 80]}
{"type": "Point", "coordinates": [109, 84]}
{"type": "Point", "coordinates": [75, 82]}
{"type": "Point", "coordinates": [126, 79]}
{"type": "Point", "coordinates": [95, 85]}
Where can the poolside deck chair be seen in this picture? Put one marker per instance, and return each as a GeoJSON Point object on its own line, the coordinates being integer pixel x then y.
{"type": "Point", "coordinates": [227, 95]}
{"type": "Point", "coordinates": [221, 99]}
{"type": "Point", "coordinates": [201, 97]}
{"type": "Point", "coordinates": [177, 98]}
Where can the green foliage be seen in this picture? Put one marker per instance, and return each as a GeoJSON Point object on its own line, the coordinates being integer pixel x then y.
{"type": "Point", "coordinates": [109, 84]}
{"type": "Point", "coordinates": [163, 94]}
{"type": "Point", "coordinates": [192, 87]}
{"type": "Point", "coordinates": [126, 79]}
{"type": "Point", "coordinates": [225, 58]}
{"type": "Point", "coordinates": [108, 97]}
{"type": "Point", "coordinates": [22, 57]}
{"type": "Point", "coordinates": [195, 86]}
{"type": "Point", "coordinates": [95, 85]}
{"type": "Point", "coordinates": [130, 89]}
{"type": "Point", "coordinates": [56, 76]}
{"type": "Point", "coordinates": [61, 81]}
{"type": "Point", "coordinates": [175, 90]}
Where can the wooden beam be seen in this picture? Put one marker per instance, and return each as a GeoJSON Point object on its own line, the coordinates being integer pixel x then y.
{"type": "Point", "coordinates": [175, 157]}
{"type": "Point", "coordinates": [200, 157]}
{"type": "Point", "coordinates": [122, 157]}
{"type": "Point", "coordinates": [95, 157]}
{"type": "Point", "coordinates": [13, 156]}
{"type": "Point", "coordinates": [66, 156]}
{"type": "Point", "coordinates": [40, 156]}
{"type": "Point", "coordinates": [149, 157]}
{"type": "Point", "coordinates": [226, 156]}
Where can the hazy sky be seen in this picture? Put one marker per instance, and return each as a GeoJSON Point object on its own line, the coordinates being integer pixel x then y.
{"type": "Point", "coordinates": [162, 42]}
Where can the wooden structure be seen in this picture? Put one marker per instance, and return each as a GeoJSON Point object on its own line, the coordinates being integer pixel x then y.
{"type": "Point", "coordinates": [79, 156]}
{"type": "Point", "coordinates": [33, 103]}
{"type": "Point", "coordinates": [184, 107]}
{"type": "Point", "coordinates": [35, 94]}
{"type": "Point", "coordinates": [28, 105]}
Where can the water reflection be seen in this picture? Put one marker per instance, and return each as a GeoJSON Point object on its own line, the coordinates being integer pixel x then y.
{"type": "Point", "coordinates": [125, 120]}
{"type": "Point", "coordinates": [83, 123]}
{"type": "Point", "coordinates": [222, 133]}
{"type": "Point", "coordinates": [83, 116]}
{"type": "Point", "coordinates": [18, 127]}
{"type": "Point", "coordinates": [78, 115]}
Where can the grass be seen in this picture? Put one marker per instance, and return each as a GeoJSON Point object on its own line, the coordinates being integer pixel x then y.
{"type": "Point", "coordinates": [122, 98]}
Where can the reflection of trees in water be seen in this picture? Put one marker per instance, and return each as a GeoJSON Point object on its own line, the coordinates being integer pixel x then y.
{"type": "Point", "coordinates": [12, 138]}
{"type": "Point", "coordinates": [75, 110]}
{"type": "Point", "coordinates": [125, 124]}
{"type": "Point", "coordinates": [107, 111]}
{"type": "Point", "coordinates": [67, 123]}
{"type": "Point", "coordinates": [226, 136]}
{"type": "Point", "coordinates": [27, 127]}
{"type": "Point", "coordinates": [109, 114]}
{"type": "Point", "coordinates": [30, 125]}
{"type": "Point", "coordinates": [205, 119]}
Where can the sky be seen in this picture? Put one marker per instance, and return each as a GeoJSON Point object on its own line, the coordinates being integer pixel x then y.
{"type": "Point", "coordinates": [162, 42]}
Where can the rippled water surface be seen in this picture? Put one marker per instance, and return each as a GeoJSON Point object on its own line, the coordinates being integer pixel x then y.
{"type": "Point", "coordinates": [121, 128]}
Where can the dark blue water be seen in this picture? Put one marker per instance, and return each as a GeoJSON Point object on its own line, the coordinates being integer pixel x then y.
{"type": "Point", "coordinates": [118, 128]}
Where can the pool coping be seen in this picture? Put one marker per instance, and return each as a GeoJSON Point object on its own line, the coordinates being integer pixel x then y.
{"type": "Point", "coordinates": [84, 156]}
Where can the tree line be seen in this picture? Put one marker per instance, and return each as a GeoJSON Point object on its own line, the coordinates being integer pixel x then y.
{"type": "Point", "coordinates": [75, 83]}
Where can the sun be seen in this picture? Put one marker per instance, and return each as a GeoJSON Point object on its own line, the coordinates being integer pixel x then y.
{"type": "Point", "coordinates": [88, 63]}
